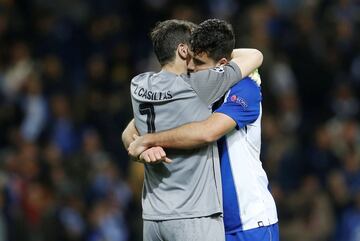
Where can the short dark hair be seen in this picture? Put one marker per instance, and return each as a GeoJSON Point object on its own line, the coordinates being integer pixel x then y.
{"type": "Point", "coordinates": [214, 37]}
{"type": "Point", "coordinates": [167, 35]}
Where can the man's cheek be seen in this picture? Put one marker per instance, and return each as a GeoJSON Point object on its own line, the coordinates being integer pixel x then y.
{"type": "Point", "coordinates": [198, 68]}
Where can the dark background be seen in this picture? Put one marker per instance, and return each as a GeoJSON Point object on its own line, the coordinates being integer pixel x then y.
{"type": "Point", "coordinates": [65, 69]}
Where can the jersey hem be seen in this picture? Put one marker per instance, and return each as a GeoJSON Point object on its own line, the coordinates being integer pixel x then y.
{"type": "Point", "coordinates": [180, 216]}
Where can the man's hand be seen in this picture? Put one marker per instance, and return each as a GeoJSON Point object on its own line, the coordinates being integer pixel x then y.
{"type": "Point", "coordinates": [137, 146]}
{"type": "Point", "coordinates": [138, 150]}
{"type": "Point", "coordinates": [154, 155]}
{"type": "Point", "coordinates": [255, 76]}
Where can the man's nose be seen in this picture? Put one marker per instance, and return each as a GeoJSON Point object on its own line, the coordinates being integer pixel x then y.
{"type": "Point", "coordinates": [191, 66]}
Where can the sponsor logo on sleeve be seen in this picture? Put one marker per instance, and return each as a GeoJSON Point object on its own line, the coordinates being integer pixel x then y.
{"type": "Point", "coordinates": [238, 100]}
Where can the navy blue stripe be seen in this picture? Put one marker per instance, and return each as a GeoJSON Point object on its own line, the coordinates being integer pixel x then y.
{"type": "Point", "coordinates": [232, 219]}
{"type": "Point", "coordinates": [267, 233]}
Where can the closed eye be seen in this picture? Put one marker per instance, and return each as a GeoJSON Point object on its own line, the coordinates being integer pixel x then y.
{"type": "Point", "coordinates": [198, 62]}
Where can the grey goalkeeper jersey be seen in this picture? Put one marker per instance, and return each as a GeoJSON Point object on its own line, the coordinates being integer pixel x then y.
{"type": "Point", "coordinates": [190, 186]}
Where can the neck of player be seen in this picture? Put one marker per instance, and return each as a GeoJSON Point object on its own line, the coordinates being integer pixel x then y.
{"type": "Point", "coordinates": [178, 67]}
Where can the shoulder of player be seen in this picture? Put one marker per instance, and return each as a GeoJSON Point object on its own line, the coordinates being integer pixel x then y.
{"type": "Point", "coordinates": [247, 84]}
{"type": "Point", "coordinates": [187, 79]}
{"type": "Point", "coordinates": [246, 88]}
{"type": "Point", "coordinates": [142, 76]}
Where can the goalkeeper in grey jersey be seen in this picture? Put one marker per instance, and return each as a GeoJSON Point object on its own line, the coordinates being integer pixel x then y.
{"type": "Point", "coordinates": [182, 199]}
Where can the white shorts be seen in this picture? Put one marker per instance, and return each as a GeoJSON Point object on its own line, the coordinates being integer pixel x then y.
{"type": "Point", "coordinates": [190, 229]}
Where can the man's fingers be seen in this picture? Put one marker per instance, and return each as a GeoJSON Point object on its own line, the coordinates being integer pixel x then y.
{"type": "Point", "coordinates": [135, 136]}
{"type": "Point", "coordinates": [167, 160]}
{"type": "Point", "coordinates": [155, 155]}
{"type": "Point", "coordinates": [131, 149]}
{"type": "Point", "coordinates": [158, 155]}
{"type": "Point", "coordinates": [162, 152]}
{"type": "Point", "coordinates": [152, 156]}
{"type": "Point", "coordinates": [145, 157]}
{"type": "Point", "coordinates": [130, 152]}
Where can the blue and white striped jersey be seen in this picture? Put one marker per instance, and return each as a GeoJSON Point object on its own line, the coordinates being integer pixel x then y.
{"type": "Point", "coordinates": [247, 201]}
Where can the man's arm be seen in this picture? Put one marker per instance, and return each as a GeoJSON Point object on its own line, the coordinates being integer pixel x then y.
{"type": "Point", "coordinates": [128, 134]}
{"type": "Point", "coordinates": [241, 107]}
{"type": "Point", "coordinates": [153, 155]}
{"type": "Point", "coordinates": [188, 136]}
{"type": "Point", "coordinates": [247, 60]}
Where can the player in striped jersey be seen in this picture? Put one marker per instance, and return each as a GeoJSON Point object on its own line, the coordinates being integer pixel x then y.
{"type": "Point", "coordinates": [249, 208]}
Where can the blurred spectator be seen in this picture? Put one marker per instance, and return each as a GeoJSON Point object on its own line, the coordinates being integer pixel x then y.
{"type": "Point", "coordinates": [320, 157]}
{"type": "Point", "coordinates": [35, 109]}
{"type": "Point", "coordinates": [350, 222]}
{"type": "Point", "coordinates": [71, 219]}
{"type": "Point", "coordinates": [3, 224]}
{"type": "Point", "coordinates": [53, 76]}
{"type": "Point", "coordinates": [19, 69]}
{"type": "Point", "coordinates": [62, 129]}
{"type": "Point", "coordinates": [108, 223]}
{"type": "Point", "coordinates": [282, 78]}
{"type": "Point", "coordinates": [339, 192]}
{"type": "Point", "coordinates": [312, 217]}
{"type": "Point", "coordinates": [345, 104]}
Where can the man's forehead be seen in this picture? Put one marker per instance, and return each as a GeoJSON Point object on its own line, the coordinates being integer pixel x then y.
{"type": "Point", "coordinates": [201, 55]}
{"type": "Point", "coordinates": [203, 58]}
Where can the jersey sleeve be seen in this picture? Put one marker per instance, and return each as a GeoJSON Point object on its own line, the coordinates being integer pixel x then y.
{"type": "Point", "coordinates": [242, 102]}
{"type": "Point", "coordinates": [213, 83]}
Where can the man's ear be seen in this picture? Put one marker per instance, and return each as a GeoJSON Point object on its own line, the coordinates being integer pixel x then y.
{"type": "Point", "coordinates": [183, 51]}
{"type": "Point", "coordinates": [222, 61]}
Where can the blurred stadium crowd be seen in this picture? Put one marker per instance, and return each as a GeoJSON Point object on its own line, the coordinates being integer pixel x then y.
{"type": "Point", "coordinates": [65, 68]}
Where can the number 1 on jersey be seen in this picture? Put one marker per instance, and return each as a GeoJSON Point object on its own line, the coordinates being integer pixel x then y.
{"type": "Point", "coordinates": [148, 110]}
